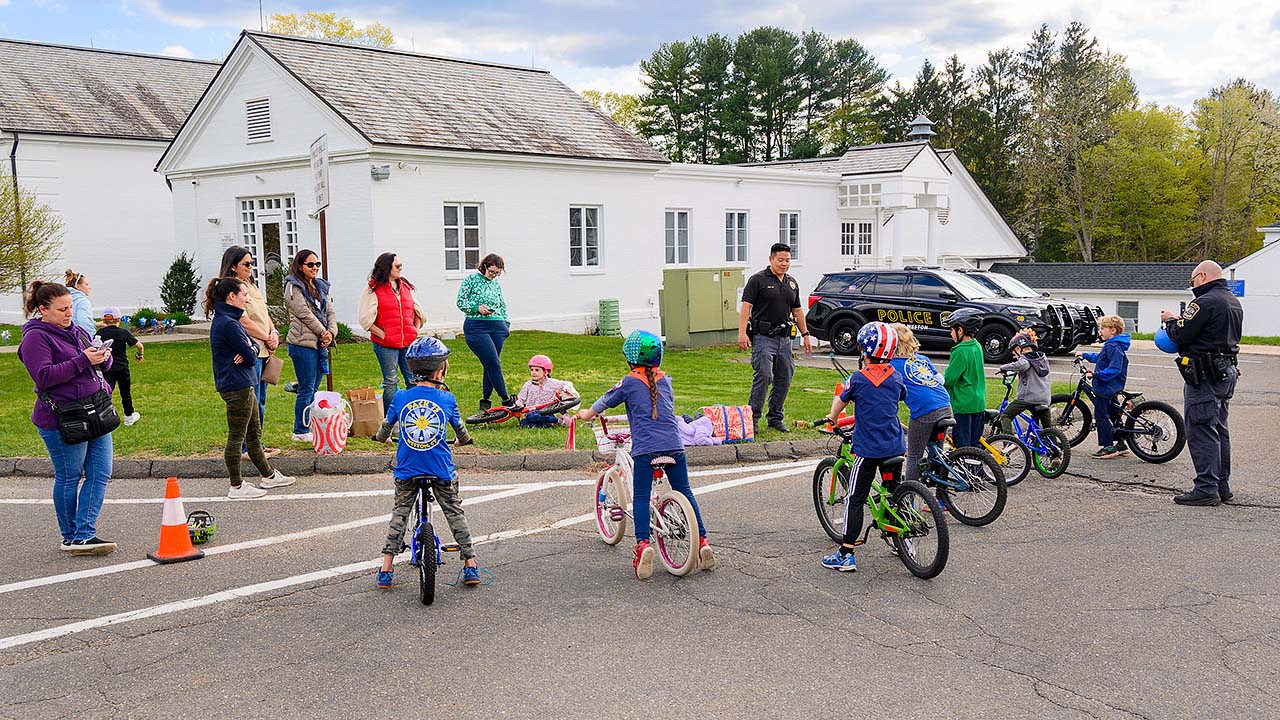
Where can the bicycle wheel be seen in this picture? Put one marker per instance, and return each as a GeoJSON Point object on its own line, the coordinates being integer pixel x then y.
{"type": "Point", "coordinates": [427, 563]}
{"type": "Point", "coordinates": [678, 543]}
{"type": "Point", "coordinates": [1074, 420]}
{"type": "Point", "coordinates": [1014, 460]}
{"type": "Point", "coordinates": [924, 544]}
{"type": "Point", "coordinates": [982, 498]}
{"type": "Point", "coordinates": [561, 406]}
{"type": "Point", "coordinates": [828, 504]}
{"type": "Point", "coordinates": [1054, 459]}
{"type": "Point", "coordinates": [611, 515]}
{"type": "Point", "coordinates": [497, 414]}
{"type": "Point", "coordinates": [1155, 431]}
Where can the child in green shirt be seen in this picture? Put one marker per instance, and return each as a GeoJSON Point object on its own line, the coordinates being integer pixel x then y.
{"type": "Point", "coordinates": [965, 379]}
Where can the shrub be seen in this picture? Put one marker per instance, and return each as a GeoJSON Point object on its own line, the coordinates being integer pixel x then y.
{"type": "Point", "coordinates": [180, 286]}
{"type": "Point", "coordinates": [180, 318]}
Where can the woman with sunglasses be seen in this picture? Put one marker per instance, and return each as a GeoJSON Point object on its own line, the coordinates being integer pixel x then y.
{"type": "Point", "coordinates": [81, 307]}
{"type": "Point", "coordinates": [485, 328]}
{"type": "Point", "coordinates": [313, 324]}
{"type": "Point", "coordinates": [389, 315]}
{"type": "Point", "coordinates": [237, 262]}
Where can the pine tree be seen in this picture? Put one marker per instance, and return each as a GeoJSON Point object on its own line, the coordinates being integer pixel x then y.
{"type": "Point", "coordinates": [180, 286]}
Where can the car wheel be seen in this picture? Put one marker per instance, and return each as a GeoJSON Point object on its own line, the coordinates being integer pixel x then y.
{"type": "Point", "coordinates": [994, 340]}
{"type": "Point", "coordinates": [844, 337]}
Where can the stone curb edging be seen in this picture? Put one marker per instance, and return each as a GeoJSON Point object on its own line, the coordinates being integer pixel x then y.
{"type": "Point", "coordinates": [302, 465]}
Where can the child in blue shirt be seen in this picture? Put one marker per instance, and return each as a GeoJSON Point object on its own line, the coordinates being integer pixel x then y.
{"type": "Point", "coordinates": [423, 412]}
{"type": "Point", "coordinates": [655, 431]}
{"type": "Point", "coordinates": [875, 391]}
{"type": "Point", "coordinates": [927, 397]}
{"type": "Point", "coordinates": [1110, 372]}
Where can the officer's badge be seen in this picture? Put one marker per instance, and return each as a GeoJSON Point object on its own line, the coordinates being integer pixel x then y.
{"type": "Point", "coordinates": [794, 286]}
{"type": "Point", "coordinates": [1190, 312]}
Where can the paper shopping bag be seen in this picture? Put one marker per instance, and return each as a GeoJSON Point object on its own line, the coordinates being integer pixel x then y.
{"type": "Point", "coordinates": [367, 411]}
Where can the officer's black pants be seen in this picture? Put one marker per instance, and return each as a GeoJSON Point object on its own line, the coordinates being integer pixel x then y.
{"type": "Point", "coordinates": [1208, 439]}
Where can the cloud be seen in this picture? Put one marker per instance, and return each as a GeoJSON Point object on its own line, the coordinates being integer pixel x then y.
{"type": "Point", "coordinates": [177, 51]}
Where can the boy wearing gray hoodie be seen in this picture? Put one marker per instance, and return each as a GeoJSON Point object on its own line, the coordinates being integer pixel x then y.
{"type": "Point", "coordinates": [1032, 368]}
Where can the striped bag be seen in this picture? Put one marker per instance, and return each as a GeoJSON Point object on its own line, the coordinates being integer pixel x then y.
{"type": "Point", "coordinates": [731, 423]}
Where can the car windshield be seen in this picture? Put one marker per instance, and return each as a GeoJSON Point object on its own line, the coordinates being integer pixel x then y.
{"type": "Point", "coordinates": [966, 286]}
{"type": "Point", "coordinates": [1015, 287]}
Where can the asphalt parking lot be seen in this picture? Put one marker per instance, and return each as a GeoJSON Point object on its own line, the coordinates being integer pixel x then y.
{"type": "Point", "coordinates": [1092, 596]}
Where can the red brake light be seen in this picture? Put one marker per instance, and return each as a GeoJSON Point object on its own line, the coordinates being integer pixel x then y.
{"type": "Point", "coordinates": [813, 299]}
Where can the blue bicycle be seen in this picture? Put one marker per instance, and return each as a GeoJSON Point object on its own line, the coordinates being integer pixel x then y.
{"type": "Point", "coordinates": [1050, 451]}
{"type": "Point", "coordinates": [967, 480]}
{"type": "Point", "coordinates": [427, 553]}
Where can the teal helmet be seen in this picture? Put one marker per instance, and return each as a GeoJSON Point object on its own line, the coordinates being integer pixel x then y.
{"type": "Point", "coordinates": [643, 348]}
{"type": "Point", "coordinates": [201, 526]}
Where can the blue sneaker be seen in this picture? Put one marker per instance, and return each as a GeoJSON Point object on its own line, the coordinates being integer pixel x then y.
{"type": "Point", "coordinates": [470, 576]}
{"type": "Point", "coordinates": [384, 579]}
{"type": "Point", "coordinates": [840, 561]}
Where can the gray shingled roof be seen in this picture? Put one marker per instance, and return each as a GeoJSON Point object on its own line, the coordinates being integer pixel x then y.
{"type": "Point", "coordinates": [864, 160]}
{"type": "Point", "coordinates": [402, 98]}
{"type": "Point", "coordinates": [81, 91]}
{"type": "Point", "coordinates": [1101, 275]}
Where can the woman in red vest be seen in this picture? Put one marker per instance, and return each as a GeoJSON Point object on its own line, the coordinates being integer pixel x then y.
{"type": "Point", "coordinates": [389, 315]}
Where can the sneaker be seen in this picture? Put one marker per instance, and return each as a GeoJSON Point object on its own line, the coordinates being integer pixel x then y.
{"type": "Point", "coordinates": [245, 491]}
{"type": "Point", "coordinates": [777, 425]}
{"type": "Point", "coordinates": [93, 546]}
{"type": "Point", "coordinates": [893, 548]}
{"type": "Point", "coordinates": [485, 405]}
{"type": "Point", "coordinates": [643, 562]}
{"type": "Point", "coordinates": [1226, 496]}
{"type": "Point", "coordinates": [67, 546]}
{"type": "Point", "coordinates": [942, 504]}
{"type": "Point", "coordinates": [470, 576]}
{"type": "Point", "coordinates": [1106, 452]}
{"type": "Point", "coordinates": [277, 479]}
{"type": "Point", "coordinates": [841, 561]}
{"type": "Point", "coordinates": [1197, 498]}
{"type": "Point", "coordinates": [384, 579]}
{"type": "Point", "coordinates": [131, 419]}
{"type": "Point", "coordinates": [291, 387]}
{"type": "Point", "coordinates": [706, 556]}
{"type": "Point", "coordinates": [302, 437]}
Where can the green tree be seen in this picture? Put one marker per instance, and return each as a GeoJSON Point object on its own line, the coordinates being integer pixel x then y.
{"type": "Point", "coordinates": [180, 286]}
{"type": "Point", "coordinates": [622, 108]}
{"type": "Point", "coordinates": [857, 86]}
{"type": "Point", "coordinates": [666, 111]}
{"type": "Point", "coordinates": [330, 26]}
{"type": "Point", "coordinates": [999, 116]}
{"type": "Point", "coordinates": [30, 236]}
{"type": "Point", "coordinates": [815, 68]}
{"type": "Point", "coordinates": [768, 59]}
{"type": "Point", "coordinates": [713, 56]}
{"type": "Point", "coordinates": [953, 111]}
{"type": "Point", "coordinates": [924, 96]}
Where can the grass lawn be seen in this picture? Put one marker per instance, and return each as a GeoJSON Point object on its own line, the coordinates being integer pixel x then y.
{"type": "Point", "coordinates": [182, 414]}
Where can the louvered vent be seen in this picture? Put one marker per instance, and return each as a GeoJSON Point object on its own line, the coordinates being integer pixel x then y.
{"type": "Point", "coordinates": [257, 115]}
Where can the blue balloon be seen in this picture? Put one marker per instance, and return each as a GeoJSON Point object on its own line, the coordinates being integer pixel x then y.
{"type": "Point", "coordinates": [1164, 342]}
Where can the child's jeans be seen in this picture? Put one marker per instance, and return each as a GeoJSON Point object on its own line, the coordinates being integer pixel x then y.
{"type": "Point", "coordinates": [677, 478]}
{"type": "Point", "coordinates": [1106, 413]}
{"type": "Point", "coordinates": [1017, 407]}
{"type": "Point", "coordinates": [537, 419]}
{"type": "Point", "coordinates": [446, 494]}
{"type": "Point", "coordinates": [968, 429]}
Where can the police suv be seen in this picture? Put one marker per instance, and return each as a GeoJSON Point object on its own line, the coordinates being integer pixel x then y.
{"type": "Point", "coordinates": [920, 298]}
{"type": "Point", "coordinates": [1071, 324]}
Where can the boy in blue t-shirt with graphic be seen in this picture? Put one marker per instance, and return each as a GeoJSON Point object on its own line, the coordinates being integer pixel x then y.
{"type": "Point", "coordinates": [875, 391]}
{"type": "Point", "coordinates": [423, 412]}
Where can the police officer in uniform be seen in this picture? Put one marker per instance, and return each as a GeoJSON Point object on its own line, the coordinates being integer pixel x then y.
{"type": "Point", "coordinates": [770, 308]}
{"type": "Point", "coordinates": [1208, 338]}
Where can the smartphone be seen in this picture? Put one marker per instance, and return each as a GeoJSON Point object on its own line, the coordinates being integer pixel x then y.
{"type": "Point", "coordinates": [106, 344]}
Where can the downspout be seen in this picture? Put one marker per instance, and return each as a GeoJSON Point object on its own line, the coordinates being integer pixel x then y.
{"type": "Point", "coordinates": [17, 218]}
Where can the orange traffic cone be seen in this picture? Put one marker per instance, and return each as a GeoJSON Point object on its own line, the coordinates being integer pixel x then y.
{"type": "Point", "coordinates": [839, 389]}
{"type": "Point", "coordinates": [175, 541]}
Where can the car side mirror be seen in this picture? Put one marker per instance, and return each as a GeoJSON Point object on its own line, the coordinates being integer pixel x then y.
{"type": "Point", "coordinates": [1044, 294]}
{"type": "Point", "coordinates": [947, 295]}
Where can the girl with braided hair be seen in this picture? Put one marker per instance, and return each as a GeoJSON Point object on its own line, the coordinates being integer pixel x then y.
{"type": "Point", "coordinates": [646, 392]}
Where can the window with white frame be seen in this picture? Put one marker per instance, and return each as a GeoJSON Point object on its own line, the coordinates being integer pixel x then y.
{"type": "Point", "coordinates": [255, 211]}
{"type": "Point", "coordinates": [584, 236]}
{"type": "Point", "coordinates": [860, 195]}
{"type": "Point", "coordinates": [789, 231]}
{"type": "Point", "coordinates": [676, 237]}
{"type": "Point", "coordinates": [855, 238]}
{"type": "Point", "coordinates": [864, 237]}
{"type": "Point", "coordinates": [463, 238]}
{"type": "Point", "coordinates": [735, 236]}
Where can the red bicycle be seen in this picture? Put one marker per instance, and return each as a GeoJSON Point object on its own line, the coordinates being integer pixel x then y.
{"type": "Point", "coordinates": [503, 413]}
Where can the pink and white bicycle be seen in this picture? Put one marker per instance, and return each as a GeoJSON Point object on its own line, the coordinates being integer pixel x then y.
{"type": "Point", "coordinates": [673, 528]}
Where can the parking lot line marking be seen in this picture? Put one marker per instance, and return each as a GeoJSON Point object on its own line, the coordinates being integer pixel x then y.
{"type": "Point", "coordinates": [334, 572]}
{"type": "Point", "coordinates": [249, 544]}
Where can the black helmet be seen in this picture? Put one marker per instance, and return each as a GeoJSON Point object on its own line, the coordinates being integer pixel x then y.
{"type": "Point", "coordinates": [1023, 340]}
{"type": "Point", "coordinates": [970, 319]}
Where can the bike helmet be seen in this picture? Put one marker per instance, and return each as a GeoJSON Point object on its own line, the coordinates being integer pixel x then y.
{"type": "Point", "coordinates": [643, 348]}
{"type": "Point", "coordinates": [878, 340]}
{"type": "Point", "coordinates": [968, 319]}
{"type": "Point", "coordinates": [1164, 342]}
{"type": "Point", "coordinates": [541, 361]}
{"type": "Point", "coordinates": [424, 356]}
{"type": "Point", "coordinates": [1024, 339]}
{"type": "Point", "coordinates": [201, 526]}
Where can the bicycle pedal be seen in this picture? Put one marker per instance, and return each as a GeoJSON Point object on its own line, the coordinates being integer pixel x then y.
{"type": "Point", "coordinates": [856, 543]}
{"type": "Point", "coordinates": [452, 547]}
{"type": "Point", "coordinates": [616, 514]}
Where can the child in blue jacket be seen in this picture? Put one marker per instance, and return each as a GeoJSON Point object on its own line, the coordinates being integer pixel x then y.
{"type": "Point", "coordinates": [1111, 370]}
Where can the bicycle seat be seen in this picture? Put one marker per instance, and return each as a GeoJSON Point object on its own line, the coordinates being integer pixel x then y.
{"type": "Point", "coordinates": [941, 426]}
{"type": "Point", "coordinates": [425, 482]}
{"type": "Point", "coordinates": [891, 469]}
{"type": "Point", "coordinates": [662, 462]}
{"type": "Point", "coordinates": [1126, 396]}
{"type": "Point", "coordinates": [991, 414]}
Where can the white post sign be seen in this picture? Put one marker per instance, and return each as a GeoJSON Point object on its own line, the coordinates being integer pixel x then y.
{"type": "Point", "coordinates": [320, 171]}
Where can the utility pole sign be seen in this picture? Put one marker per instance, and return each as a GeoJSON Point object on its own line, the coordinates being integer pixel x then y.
{"type": "Point", "coordinates": [320, 181]}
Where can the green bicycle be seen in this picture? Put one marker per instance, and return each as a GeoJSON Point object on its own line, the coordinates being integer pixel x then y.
{"type": "Point", "coordinates": [908, 518]}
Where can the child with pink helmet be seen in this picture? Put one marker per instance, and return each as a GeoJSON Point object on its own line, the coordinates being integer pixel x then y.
{"type": "Point", "coordinates": [540, 390]}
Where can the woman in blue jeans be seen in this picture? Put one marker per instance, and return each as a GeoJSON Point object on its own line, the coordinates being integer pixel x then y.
{"type": "Point", "coordinates": [313, 324]}
{"type": "Point", "coordinates": [486, 328]}
{"type": "Point", "coordinates": [391, 317]}
{"type": "Point", "coordinates": [66, 367]}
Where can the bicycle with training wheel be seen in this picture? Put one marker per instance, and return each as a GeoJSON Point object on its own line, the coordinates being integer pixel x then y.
{"type": "Point", "coordinates": [908, 517]}
{"type": "Point", "coordinates": [673, 526]}
{"type": "Point", "coordinates": [1153, 430]}
{"type": "Point", "coordinates": [426, 550]}
{"type": "Point", "coordinates": [503, 413]}
{"type": "Point", "coordinates": [1050, 451]}
{"type": "Point", "coordinates": [968, 480]}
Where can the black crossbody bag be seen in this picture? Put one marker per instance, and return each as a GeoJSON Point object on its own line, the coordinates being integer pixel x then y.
{"type": "Point", "coordinates": [86, 418]}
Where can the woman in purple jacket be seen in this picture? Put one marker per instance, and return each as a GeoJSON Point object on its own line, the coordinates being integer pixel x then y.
{"type": "Point", "coordinates": [66, 367]}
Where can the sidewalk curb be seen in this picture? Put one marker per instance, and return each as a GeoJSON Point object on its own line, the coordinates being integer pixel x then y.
{"type": "Point", "coordinates": [302, 465]}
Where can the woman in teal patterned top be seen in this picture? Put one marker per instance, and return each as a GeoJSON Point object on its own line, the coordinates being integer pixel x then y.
{"type": "Point", "coordinates": [486, 328]}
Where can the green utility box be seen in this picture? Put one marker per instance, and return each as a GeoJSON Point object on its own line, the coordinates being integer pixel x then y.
{"type": "Point", "coordinates": [699, 306]}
